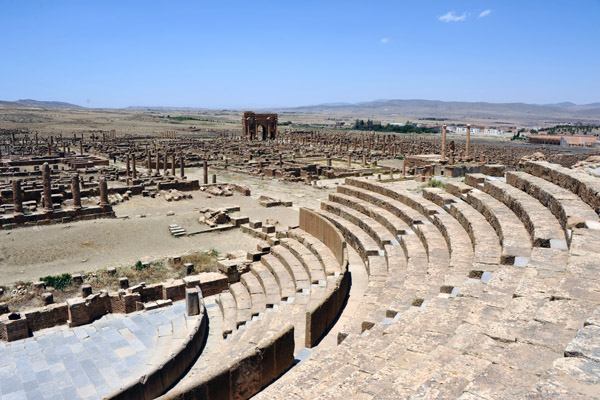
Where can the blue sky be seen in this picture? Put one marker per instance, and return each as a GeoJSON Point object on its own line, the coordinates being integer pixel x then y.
{"type": "Point", "coordinates": [290, 53]}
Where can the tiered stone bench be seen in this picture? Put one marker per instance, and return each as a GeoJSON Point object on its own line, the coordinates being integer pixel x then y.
{"type": "Point", "coordinates": [519, 321]}
{"type": "Point", "coordinates": [269, 316]}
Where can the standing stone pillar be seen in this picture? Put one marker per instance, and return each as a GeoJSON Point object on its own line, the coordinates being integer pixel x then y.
{"type": "Point", "coordinates": [17, 197]}
{"type": "Point", "coordinates": [165, 164]}
{"type": "Point", "coordinates": [214, 178]}
{"type": "Point", "coordinates": [47, 188]}
{"type": "Point", "coordinates": [468, 140]}
{"type": "Point", "coordinates": [173, 164]}
{"type": "Point", "coordinates": [364, 160]}
{"type": "Point", "coordinates": [181, 167]}
{"type": "Point", "coordinates": [443, 142]}
{"type": "Point", "coordinates": [134, 172]}
{"type": "Point", "coordinates": [103, 193]}
{"type": "Point", "coordinates": [149, 161]}
{"type": "Point", "coordinates": [349, 161]}
{"type": "Point", "coordinates": [205, 167]}
{"type": "Point", "coordinates": [127, 167]}
{"type": "Point", "coordinates": [157, 163]}
{"type": "Point", "coordinates": [76, 192]}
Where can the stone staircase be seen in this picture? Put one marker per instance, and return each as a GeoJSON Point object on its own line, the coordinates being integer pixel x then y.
{"type": "Point", "coordinates": [487, 289]}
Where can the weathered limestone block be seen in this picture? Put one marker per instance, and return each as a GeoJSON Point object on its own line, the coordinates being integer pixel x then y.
{"type": "Point", "coordinates": [586, 344]}
{"type": "Point", "coordinates": [13, 327]}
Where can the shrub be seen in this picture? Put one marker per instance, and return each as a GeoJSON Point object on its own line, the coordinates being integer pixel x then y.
{"type": "Point", "coordinates": [58, 281]}
{"type": "Point", "coordinates": [139, 266]}
{"type": "Point", "coordinates": [434, 183]}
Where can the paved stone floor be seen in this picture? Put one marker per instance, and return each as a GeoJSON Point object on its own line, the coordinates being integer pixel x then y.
{"type": "Point", "coordinates": [90, 361]}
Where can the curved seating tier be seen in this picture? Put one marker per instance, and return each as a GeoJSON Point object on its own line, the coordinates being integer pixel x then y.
{"type": "Point", "coordinates": [510, 324]}
{"type": "Point", "coordinates": [544, 229]}
{"type": "Point", "coordinates": [284, 303]}
{"type": "Point", "coordinates": [567, 207]}
{"type": "Point", "coordinates": [516, 245]}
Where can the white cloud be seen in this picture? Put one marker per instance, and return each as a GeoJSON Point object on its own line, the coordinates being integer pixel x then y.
{"type": "Point", "coordinates": [452, 17]}
{"type": "Point", "coordinates": [385, 40]}
{"type": "Point", "coordinates": [485, 13]}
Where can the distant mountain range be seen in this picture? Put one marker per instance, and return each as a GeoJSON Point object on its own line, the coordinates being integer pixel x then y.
{"type": "Point", "coordinates": [37, 104]}
{"type": "Point", "coordinates": [397, 109]}
{"type": "Point", "coordinates": [559, 112]}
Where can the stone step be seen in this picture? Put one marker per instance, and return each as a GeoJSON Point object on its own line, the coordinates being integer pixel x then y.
{"type": "Point", "coordinates": [295, 268]}
{"type": "Point", "coordinates": [486, 243]}
{"type": "Point", "coordinates": [355, 237]}
{"type": "Point", "coordinates": [516, 244]}
{"type": "Point", "coordinates": [544, 229]}
{"type": "Point", "coordinates": [228, 308]}
{"type": "Point", "coordinates": [319, 249]}
{"type": "Point", "coordinates": [268, 282]}
{"type": "Point", "coordinates": [243, 303]}
{"type": "Point", "coordinates": [310, 262]}
{"type": "Point", "coordinates": [282, 275]}
{"type": "Point", "coordinates": [359, 214]}
{"type": "Point", "coordinates": [257, 295]}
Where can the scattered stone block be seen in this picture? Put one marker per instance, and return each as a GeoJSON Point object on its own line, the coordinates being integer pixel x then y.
{"type": "Point", "coordinates": [47, 298]}
{"type": "Point", "coordinates": [86, 290]}
{"type": "Point", "coordinates": [124, 282]}
{"type": "Point", "coordinates": [268, 229]}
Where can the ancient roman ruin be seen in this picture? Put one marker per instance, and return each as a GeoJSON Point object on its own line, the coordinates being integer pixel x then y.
{"type": "Point", "coordinates": [433, 268]}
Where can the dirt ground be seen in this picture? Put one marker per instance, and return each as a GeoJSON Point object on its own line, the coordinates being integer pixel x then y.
{"type": "Point", "coordinates": [28, 253]}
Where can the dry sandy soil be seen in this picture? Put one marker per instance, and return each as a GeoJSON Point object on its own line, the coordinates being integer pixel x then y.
{"type": "Point", "coordinates": [26, 254]}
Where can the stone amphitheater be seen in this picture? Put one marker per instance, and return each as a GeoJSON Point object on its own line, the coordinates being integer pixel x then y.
{"type": "Point", "coordinates": [485, 289]}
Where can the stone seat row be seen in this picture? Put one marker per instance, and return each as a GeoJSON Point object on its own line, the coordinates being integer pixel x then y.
{"type": "Point", "coordinates": [271, 314]}
{"type": "Point", "coordinates": [520, 305]}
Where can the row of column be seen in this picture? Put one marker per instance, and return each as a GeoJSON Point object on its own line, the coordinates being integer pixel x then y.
{"type": "Point", "coordinates": [47, 192]}
{"type": "Point", "coordinates": [444, 141]}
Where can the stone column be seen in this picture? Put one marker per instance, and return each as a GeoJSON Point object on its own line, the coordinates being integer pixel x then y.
{"type": "Point", "coordinates": [47, 186]}
{"type": "Point", "coordinates": [165, 164]}
{"type": "Point", "coordinates": [134, 172]}
{"type": "Point", "coordinates": [214, 178]}
{"type": "Point", "coordinates": [205, 167]}
{"type": "Point", "coordinates": [17, 197]}
{"type": "Point", "coordinates": [128, 170]}
{"type": "Point", "coordinates": [181, 166]}
{"type": "Point", "coordinates": [149, 161]}
{"type": "Point", "coordinates": [173, 164]}
{"type": "Point", "coordinates": [103, 193]}
{"type": "Point", "coordinates": [157, 163]}
{"type": "Point", "coordinates": [349, 161]}
{"type": "Point", "coordinates": [81, 147]}
{"type": "Point", "coordinates": [468, 140]}
{"type": "Point", "coordinates": [443, 142]}
{"type": "Point", "coordinates": [75, 191]}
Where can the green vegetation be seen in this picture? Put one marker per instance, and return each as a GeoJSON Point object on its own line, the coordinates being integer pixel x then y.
{"type": "Point", "coordinates": [361, 125]}
{"type": "Point", "coordinates": [517, 136]}
{"type": "Point", "coordinates": [577, 129]}
{"type": "Point", "coordinates": [58, 281]}
{"type": "Point", "coordinates": [434, 183]}
{"type": "Point", "coordinates": [139, 266]}
{"type": "Point", "coordinates": [213, 253]}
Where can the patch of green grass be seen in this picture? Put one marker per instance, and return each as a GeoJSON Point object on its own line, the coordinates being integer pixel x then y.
{"type": "Point", "coordinates": [58, 282]}
{"type": "Point", "coordinates": [434, 183]}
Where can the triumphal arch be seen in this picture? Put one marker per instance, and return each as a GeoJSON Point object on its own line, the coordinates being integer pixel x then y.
{"type": "Point", "coordinates": [259, 126]}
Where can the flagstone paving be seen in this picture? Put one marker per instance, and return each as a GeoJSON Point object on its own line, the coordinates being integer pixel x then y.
{"type": "Point", "coordinates": [91, 361]}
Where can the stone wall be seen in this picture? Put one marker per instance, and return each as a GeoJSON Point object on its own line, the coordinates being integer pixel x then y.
{"type": "Point", "coordinates": [323, 230]}
{"type": "Point", "coordinates": [244, 375]}
{"type": "Point", "coordinates": [80, 311]}
{"type": "Point", "coordinates": [322, 315]}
